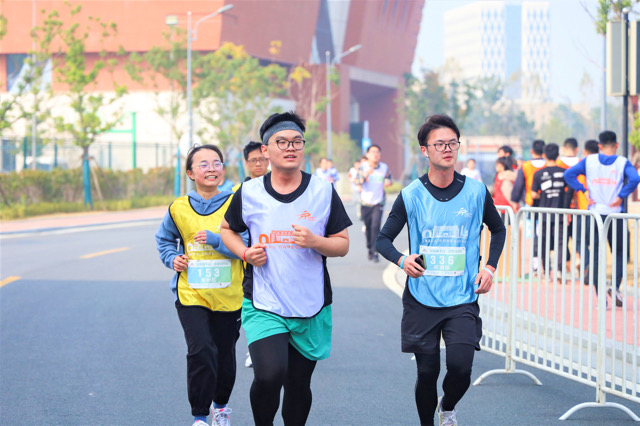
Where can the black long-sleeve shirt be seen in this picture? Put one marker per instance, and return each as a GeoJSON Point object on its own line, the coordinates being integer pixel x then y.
{"type": "Point", "coordinates": [398, 218]}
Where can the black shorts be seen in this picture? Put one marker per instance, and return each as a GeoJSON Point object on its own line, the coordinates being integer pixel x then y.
{"type": "Point", "coordinates": [422, 326]}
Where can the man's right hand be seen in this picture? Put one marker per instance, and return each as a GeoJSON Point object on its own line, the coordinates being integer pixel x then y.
{"type": "Point", "coordinates": [410, 267]}
{"type": "Point", "coordinates": [256, 255]}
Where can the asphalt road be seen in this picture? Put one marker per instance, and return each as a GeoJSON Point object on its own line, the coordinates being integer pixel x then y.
{"type": "Point", "coordinates": [89, 335]}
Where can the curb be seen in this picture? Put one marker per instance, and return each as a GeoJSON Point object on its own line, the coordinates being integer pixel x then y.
{"type": "Point", "coordinates": [74, 228]}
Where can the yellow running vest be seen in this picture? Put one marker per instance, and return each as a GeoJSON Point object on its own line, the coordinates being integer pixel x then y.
{"type": "Point", "coordinates": [212, 280]}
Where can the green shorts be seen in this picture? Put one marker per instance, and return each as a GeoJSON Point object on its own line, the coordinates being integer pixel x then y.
{"type": "Point", "coordinates": [310, 336]}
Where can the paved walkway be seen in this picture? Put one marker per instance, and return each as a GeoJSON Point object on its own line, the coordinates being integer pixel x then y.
{"type": "Point", "coordinates": [78, 220]}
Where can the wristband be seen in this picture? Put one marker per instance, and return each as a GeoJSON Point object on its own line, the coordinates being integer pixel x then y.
{"type": "Point", "coordinates": [488, 270]}
{"type": "Point", "coordinates": [243, 254]}
{"type": "Point", "coordinates": [402, 262]}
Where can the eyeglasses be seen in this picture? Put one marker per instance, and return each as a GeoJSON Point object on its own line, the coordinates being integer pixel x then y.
{"type": "Point", "coordinates": [453, 146]}
{"type": "Point", "coordinates": [284, 144]}
{"type": "Point", "coordinates": [260, 160]}
{"type": "Point", "coordinates": [205, 166]}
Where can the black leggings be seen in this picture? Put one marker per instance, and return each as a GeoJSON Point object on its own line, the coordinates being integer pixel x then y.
{"type": "Point", "coordinates": [276, 364]}
{"type": "Point", "coordinates": [211, 358]}
{"type": "Point", "coordinates": [372, 218]}
{"type": "Point", "coordinates": [455, 384]}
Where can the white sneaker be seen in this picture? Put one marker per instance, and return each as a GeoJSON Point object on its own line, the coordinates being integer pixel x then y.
{"type": "Point", "coordinates": [199, 423]}
{"type": "Point", "coordinates": [248, 363]}
{"type": "Point", "coordinates": [446, 418]}
{"type": "Point", "coordinates": [221, 417]}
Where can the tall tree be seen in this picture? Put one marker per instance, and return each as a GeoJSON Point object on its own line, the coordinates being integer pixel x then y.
{"type": "Point", "coordinates": [233, 94]}
{"type": "Point", "coordinates": [611, 10]}
{"type": "Point", "coordinates": [91, 111]}
{"type": "Point", "coordinates": [162, 65]}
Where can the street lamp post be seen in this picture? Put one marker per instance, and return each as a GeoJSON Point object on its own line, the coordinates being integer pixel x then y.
{"type": "Point", "coordinates": [192, 35]}
{"type": "Point", "coordinates": [329, 64]}
{"type": "Point", "coordinates": [625, 88]}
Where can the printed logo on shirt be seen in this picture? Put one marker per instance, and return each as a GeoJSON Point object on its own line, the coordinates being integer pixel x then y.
{"type": "Point", "coordinates": [445, 235]}
{"type": "Point", "coordinates": [463, 212]}
{"type": "Point", "coordinates": [604, 181]}
{"type": "Point", "coordinates": [306, 216]}
{"type": "Point", "coordinates": [194, 247]}
{"type": "Point", "coordinates": [278, 239]}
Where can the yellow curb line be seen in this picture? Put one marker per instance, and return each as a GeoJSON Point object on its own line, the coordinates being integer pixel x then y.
{"type": "Point", "coordinates": [102, 253]}
{"type": "Point", "coordinates": [8, 280]}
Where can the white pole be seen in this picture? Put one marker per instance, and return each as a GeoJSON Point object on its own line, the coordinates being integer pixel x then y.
{"type": "Point", "coordinates": [328, 60]}
{"type": "Point", "coordinates": [189, 184]}
{"type": "Point", "coordinates": [34, 118]}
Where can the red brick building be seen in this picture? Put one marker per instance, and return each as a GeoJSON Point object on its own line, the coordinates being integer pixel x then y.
{"type": "Point", "coordinates": [371, 78]}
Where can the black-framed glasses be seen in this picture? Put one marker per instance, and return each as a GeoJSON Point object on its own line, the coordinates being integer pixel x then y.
{"type": "Point", "coordinates": [260, 160]}
{"type": "Point", "coordinates": [453, 146]}
{"type": "Point", "coordinates": [215, 165]}
{"type": "Point", "coordinates": [284, 144]}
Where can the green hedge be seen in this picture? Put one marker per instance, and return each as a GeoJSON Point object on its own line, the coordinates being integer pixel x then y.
{"type": "Point", "coordinates": [34, 192]}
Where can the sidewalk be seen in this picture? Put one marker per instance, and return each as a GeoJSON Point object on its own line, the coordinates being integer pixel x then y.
{"type": "Point", "coordinates": [79, 220]}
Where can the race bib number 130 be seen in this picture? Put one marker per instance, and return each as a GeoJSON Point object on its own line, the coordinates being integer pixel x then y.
{"type": "Point", "coordinates": [209, 273]}
{"type": "Point", "coordinates": [444, 261]}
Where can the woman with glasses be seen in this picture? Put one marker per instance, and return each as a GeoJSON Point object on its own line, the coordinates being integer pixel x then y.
{"type": "Point", "coordinates": [295, 221]}
{"type": "Point", "coordinates": [444, 212]}
{"type": "Point", "coordinates": [207, 285]}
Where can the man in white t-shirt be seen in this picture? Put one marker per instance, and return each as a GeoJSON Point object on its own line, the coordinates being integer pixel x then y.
{"type": "Point", "coordinates": [471, 171]}
{"type": "Point", "coordinates": [374, 176]}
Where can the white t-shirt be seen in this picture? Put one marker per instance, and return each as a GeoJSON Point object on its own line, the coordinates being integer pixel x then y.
{"type": "Point", "coordinates": [473, 174]}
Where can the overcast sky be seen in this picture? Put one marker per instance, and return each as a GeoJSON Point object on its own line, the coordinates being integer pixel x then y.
{"type": "Point", "coordinates": [576, 48]}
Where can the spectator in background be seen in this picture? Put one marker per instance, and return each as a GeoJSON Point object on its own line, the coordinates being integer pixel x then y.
{"type": "Point", "coordinates": [506, 151]}
{"type": "Point", "coordinates": [580, 201]}
{"type": "Point", "coordinates": [569, 157]}
{"type": "Point", "coordinates": [550, 189]}
{"type": "Point", "coordinates": [522, 188]}
{"type": "Point", "coordinates": [333, 172]}
{"type": "Point", "coordinates": [374, 176]}
{"type": "Point", "coordinates": [606, 173]}
{"type": "Point", "coordinates": [471, 170]}
{"type": "Point", "coordinates": [326, 171]}
{"type": "Point", "coordinates": [355, 189]}
{"type": "Point", "coordinates": [505, 177]}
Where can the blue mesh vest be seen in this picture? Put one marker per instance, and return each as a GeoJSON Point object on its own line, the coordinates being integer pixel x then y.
{"type": "Point", "coordinates": [448, 234]}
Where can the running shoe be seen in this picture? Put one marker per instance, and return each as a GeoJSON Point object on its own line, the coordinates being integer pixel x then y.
{"type": "Point", "coordinates": [200, 423]}
{"type": "Point", "coordinates": [221, 416]}
{"type": "Point", "coordinates": [248, 363]}
{"type": "Point", "coordinates": [618, 297]}
{"type": "Point", "coordinates": [447, 418]}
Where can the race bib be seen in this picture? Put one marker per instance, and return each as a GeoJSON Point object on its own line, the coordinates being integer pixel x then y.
{"type": "Point", "coordinates": [444, 261]}
{"type": "Point", "coordinates": [209, 273]}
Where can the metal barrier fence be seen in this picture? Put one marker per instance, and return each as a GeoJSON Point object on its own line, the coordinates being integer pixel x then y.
{"type": "Point", "coordinates": [547, 315]}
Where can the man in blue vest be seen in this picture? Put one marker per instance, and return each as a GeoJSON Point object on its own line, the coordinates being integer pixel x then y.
{"type": "Point", "coordinates": [605, 190]}
{"type": "Point", "coordinates": [295, 222]}
{"type": "Point", "coordinates": [444, 212]}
